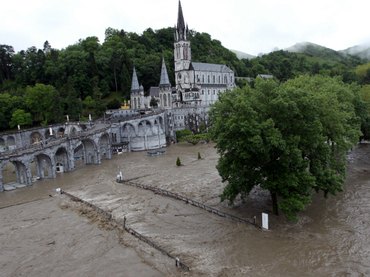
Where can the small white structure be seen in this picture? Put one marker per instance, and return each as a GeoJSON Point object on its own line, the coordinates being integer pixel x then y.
{"type": "Point", "coordinates": [120, 177]}
{"type": "Point", "coordinates": [265, 221]}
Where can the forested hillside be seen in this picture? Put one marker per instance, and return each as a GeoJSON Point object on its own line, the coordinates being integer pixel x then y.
{"type": "Point", "coordinates": [42, 86]}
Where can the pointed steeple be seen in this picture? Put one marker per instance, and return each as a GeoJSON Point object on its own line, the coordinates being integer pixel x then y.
{"type": "Point", "coordinates": [165, 81]}
{"type": "Point", "coordinates": [135, 82]}
{"type": "Point", "coordinates": [181, 29]}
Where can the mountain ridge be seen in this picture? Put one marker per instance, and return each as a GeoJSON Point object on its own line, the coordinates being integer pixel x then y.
{"type": "Point", "coordinates": [361, 51]}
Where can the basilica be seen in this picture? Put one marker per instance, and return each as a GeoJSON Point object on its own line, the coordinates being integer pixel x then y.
{"type": "Point", "coordinates": [198, 85]}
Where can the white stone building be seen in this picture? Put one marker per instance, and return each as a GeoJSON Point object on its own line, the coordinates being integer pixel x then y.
{"type": "Point", "coordinates": [198, 85]}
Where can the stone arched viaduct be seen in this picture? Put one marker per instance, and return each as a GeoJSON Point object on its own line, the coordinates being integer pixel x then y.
{"type": "Point", "coordinates": [58, 155]}
{"type": "Point", "coordinates": [61, 148]}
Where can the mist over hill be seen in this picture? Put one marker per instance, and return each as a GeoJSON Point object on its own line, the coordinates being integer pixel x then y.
{"type": "Point", "coordinates": [242, 55]}
{"type": "Point", "coordinates": [362, 51]}
{"type": "Point", "coordinates": [309, 48]}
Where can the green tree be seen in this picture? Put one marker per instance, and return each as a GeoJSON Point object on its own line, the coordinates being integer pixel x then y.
{"type": "Point", "coordinates": [178, 161]}
{"type": "Point", "coordinates": [181, 134]}
{"type": "Point", "coordinates": [6, 53]}
{"type": "Point", "coordinates": [290, 139]}
{"type": "Point", "coordinates": [8, 104]}
{"type": "Point", "coordinates": [20, 117]}
{"type": "Point", "coordinates": [363, 110]}
{"type": "Point", "coordinates": [43, 102]}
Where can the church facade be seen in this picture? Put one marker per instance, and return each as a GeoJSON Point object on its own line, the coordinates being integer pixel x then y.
{"type": "Point", "coordinates": [198, 85]}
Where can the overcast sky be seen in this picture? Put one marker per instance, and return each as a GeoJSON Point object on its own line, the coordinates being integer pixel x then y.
{"type": "Point", "coordinates": [251, 26]}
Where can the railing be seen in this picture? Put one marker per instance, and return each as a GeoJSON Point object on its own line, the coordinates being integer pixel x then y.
{"type": "Point", "coordinates": [108, 216]}
{"type": "Point", "coordinates": [191, 202]}
{"type": "Point", "coordinates": [133, 117]}
{"type": "Point", "coordinates": [50, 143]}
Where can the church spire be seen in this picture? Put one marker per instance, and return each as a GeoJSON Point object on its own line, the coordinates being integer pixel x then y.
{"type": "Point", "coordinates": [181, 29]}
{"type": "Point", "coordinates": [135, 82]}
{"type": "Point", "coordinates": [164, 75]}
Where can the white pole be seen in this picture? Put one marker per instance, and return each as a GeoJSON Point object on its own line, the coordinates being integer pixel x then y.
{"type": "Point", "coordinates": [51, 131]}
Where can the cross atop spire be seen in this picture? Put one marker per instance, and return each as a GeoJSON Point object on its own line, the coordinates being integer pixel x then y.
{"type": "Point", "coordinates": [181, 29]}
{"type": "Point", "coordinates": [164, 75]}
{"type": "Point", "coordinates": [135, 82]}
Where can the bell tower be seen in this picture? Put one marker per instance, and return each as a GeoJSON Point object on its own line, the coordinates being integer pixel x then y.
{"type": "Point", "coordinates": [182, 50]}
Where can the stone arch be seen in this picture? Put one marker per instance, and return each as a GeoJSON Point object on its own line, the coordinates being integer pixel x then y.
{"type": "Point", "coordinates": [44, 166]}
{"type": "Point", "coordinates": [2, 145]}
{"type": "Point", "coordinates": [73, 131]}
{"type": "Point", "coordinates": [60, 132]}
{"type": "Point", "coordinates": [61, 158]}
{"type": "Point", "coordinates": [161, 121]}
{"type": "Point", "coordinates": [8, 173]}
{"type": "Point", "coordinates": [35, 137]}
{"type": "Point", "coordinates": [22, 177]}
{"type": "Point", "coordinates": [144, 128]}
{"type": "Point", "coordinates": [90, 152]}
{"type": "Point", "coordinates": [156, 126]}
{"type": "Point", "coordinates": [10, 141]}
{"type": "Point", "coordinates": [47, 133]}
{"type": "Point", "coordinates": [104, 147]}
{"type": "Point", "coordinates": [78, 155]}
{"type": "Point", "coordinates": [128, 131]}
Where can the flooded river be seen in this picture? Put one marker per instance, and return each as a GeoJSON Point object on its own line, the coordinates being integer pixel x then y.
{"type": "Point", "coordinates": [44, 236]}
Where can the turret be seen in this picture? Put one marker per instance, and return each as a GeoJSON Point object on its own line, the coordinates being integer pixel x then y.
{"type": "Point", "coordinates": [134, 83]}
{"type": "Point", "coordinates": [165, 81]}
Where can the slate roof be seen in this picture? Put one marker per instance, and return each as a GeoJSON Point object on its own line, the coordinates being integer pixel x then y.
{"type": "Point", "coordinates": [181, 29]}
{"type": "Point", "coordinates": [154, 91]}
{"type": "Point", "coordinates": [135, 82]}
{"type": "Point", "coordinates": [180, 19]}
{"type": "Point", "coordinates": [165, 81]}
{"type": "Point", "coordinates": [265, 76]}
{"type": "Point", "coordinates": [211, 67]}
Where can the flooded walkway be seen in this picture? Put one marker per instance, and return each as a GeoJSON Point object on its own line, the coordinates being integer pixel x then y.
{"type": "Point", "coordinates": [332, 238]}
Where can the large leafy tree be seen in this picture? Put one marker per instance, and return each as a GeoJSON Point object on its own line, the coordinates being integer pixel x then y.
{"type": "Point", "coordinates": [43, 102]}
{"type": "Point", "coordinates": [290, 139]}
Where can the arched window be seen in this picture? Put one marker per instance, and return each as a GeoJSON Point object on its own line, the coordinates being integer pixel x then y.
{"type": "Point", "coordinates": [178, 51]}
{"type": "Point", "coordinates": [225, 79]}
{"type": "Point", "coordinates": [214, 79]}
{"type": "Point", "coordinates": [209, 80]}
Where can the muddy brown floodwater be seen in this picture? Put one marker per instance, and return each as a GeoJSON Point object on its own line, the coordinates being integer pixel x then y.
{"type": "Point", "coordinates": [47, 236]}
